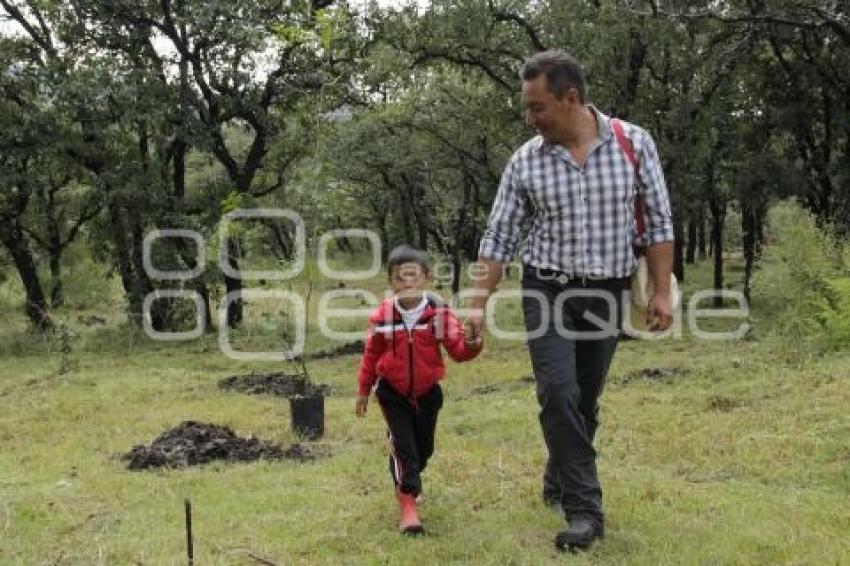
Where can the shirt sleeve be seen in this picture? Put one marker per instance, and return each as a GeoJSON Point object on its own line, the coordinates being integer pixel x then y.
{"type": "Point", "coordinates": [375, 346]}
{"type": "Point", "coordinates": [509, 219]}
{"type": "Point", "coordinates": [659, 218]}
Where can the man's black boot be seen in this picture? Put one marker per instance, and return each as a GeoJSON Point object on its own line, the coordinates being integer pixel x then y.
{"type": "Point", "coordinates": [580, 534]}
{"type": "Point", "coordinates": [553, 502]}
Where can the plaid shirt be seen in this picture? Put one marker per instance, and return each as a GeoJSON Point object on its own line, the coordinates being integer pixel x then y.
{"type": "Point", "coordinates": [578, 220]}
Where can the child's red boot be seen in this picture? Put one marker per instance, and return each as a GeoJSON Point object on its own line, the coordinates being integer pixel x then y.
{"type": "Point", "coordinates": [409, 523]}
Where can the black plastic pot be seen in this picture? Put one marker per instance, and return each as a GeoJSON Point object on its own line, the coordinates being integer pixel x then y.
{"type": "Point", "coordinates": [308, 415]}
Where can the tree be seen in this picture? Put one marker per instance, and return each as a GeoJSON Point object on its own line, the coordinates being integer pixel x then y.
{"type": "Point", "coordinates": [139, 108]}
{"type": "Point", "coordinates": [244, 63]}
{"type": "Point", "coordinates": [24, 127]}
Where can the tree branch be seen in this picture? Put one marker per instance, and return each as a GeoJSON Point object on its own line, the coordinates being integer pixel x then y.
{"type": "Point", "coordinates": [502, 16]}
{"type": "Point", "coordinates": [42, 25]}
{"type": "Point", "coordinates": [92, 209]}
{"type": "Point", "coordinates": [45, 43]}
{"type": "Point", "coordinates": [426, 56]}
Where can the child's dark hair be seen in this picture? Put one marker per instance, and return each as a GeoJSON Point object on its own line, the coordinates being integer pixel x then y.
{"type": "Point", "coordinates": [407, 254]}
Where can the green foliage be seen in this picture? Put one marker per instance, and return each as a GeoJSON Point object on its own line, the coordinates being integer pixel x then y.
{"type": "Point", "coordinates": [836, 316]}
{"type": "Point", "coordinates": [64, 338]}
{"type": "Point", "coordinates": [401, 117]}
{"type": "Point", "coordinates": [89, 286]}
{"type": "Point", "coordinates": [292, 34]}
{"type": "Point", "coordinates": [233, 201]}
{"type": "Point", "coordinates": [802, 283]}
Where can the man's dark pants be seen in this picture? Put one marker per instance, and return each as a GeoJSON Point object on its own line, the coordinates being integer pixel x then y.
{"type": "Point", "coordinates": [570, 373]}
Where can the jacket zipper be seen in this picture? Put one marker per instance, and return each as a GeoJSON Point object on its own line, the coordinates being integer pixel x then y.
{"type": "Point", "coordinates": [410, 364]}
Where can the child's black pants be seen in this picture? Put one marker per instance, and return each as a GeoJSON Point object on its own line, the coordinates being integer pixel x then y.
{"type": "Point", "coordinates": [411, 430]}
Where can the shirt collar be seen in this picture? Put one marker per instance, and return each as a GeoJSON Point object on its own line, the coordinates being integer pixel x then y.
{"type": "Point", "coordinates": [603, 131]}
{"type": "Point", "coordinates": [420, 307]}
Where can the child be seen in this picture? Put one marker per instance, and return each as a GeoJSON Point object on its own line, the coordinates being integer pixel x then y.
{"type": "Point", "coordinates": [403, 354]}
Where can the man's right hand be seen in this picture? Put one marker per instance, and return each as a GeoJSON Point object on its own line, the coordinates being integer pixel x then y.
{"type": "Point", "coordinates": [474, 325]}
{"type": "Point", "coordinates": [471, 335]}
{"type": "Point", "coordinates": [485, 284]}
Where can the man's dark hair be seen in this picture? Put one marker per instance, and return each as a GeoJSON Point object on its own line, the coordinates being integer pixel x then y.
{"type": "Point", "coordinates": [407, 254]}
{"type": "Point", "coordinates": [562, 72]}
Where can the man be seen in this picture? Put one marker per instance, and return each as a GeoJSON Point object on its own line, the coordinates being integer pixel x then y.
{"type": "Point", "coordinates": [570, 193]}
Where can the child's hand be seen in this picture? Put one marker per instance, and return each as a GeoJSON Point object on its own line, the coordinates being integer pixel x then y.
{"type": "Point", "coordinates": [362, 403]}
{"type": "Point", "coordinates": [470, 336]}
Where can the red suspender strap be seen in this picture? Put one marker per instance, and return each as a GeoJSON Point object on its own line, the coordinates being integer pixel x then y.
{"type": "Point", "coordinates": [626, 146]}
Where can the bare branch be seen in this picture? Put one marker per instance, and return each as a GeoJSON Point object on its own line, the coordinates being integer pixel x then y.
{"type": "Point", "coordinates": [843, 30]}
{"type": "Point", "coordinates": [92, 209]}
{"type": "Point", "coordinates": [826, 20]}
{"type": "Point", "coordinates": [15, 13]}
{"type": "Point", "coordinates": [41, 24]}
{"type": "Point", "coordinates": [502, 16]}
{"type": "Point", "coordinates": [426, 56]}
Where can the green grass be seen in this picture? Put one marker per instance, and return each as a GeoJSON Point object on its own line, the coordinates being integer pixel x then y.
{"type": "Point", "coordinates": [740, 456]}
{"type": "Point", "coordinates": [763, 478]}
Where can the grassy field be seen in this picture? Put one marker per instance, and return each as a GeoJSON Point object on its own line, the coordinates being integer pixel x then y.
{"type": "Point", "coordinates": [733, 453]}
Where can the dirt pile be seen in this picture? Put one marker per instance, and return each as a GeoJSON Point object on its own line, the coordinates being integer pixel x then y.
{"type": "Point", "coordinates": [651, 375]}
{"type": "Point", "coordinates": [347, 349]}
{"type": "Point", "coordinates": [498, 387]}
{"type": "Point", "coordinates": [280, 384]}
{"type": "Point", "coordinates": [194, 443]}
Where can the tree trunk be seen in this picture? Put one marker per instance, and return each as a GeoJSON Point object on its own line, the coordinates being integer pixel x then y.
{"type": "Point", "coordinates": [161, 309]}
{"type": "Point", "coordinates": [57, 298]}
{"type": "Point", "coordinates": [54, 250]}
{"type": "Point", "coordinates": [204, 291]}
{"type": "Point", "coordinates": [419, 213]}
{"type": "Point", "coordinates": [180, 144]}
{"type": "Point", "coordinates": [197, 284]}
{"type": "Point", "coordinates": [36, 306]}
{"type": "Point", "coordinates": [701, 245]}
{"type": "Point", "coordinates": [381, 221]}
{"type": "Point", "coordinates": [759, 228]}
{"type": "Point", "coordinates": [423, 234]}
{"type": "Point", "coordinates": [718, 216]}
{"type": "Point", "coordinates": [283, 246]}
{"type": "Point", "coordinates": [461, 231]}
{"type": "Point", "coordinates": [404, 207]}
{"type": "Point", "coordinates": [474, 232]}
{"type": "Point", "coordinates": [124, 266]}
{"type": "Point", "coordinates": [178, 173]}
{"type": "Point", "coordinates": [128, 257]}
{"type": "Point", "coordinates": [233, 285]}
{"type": "Point", "coordinates": [456, 273]}
{"type": "Point", "coordinates": [406, 221]}
{"type": "Point", "coordinates": [690, 254]}
{"type": "Point", "coordinates": [748, 228]}
{"type": "Point", "coordinates": [343, 243]}
{"type": "Point", "coordinates": [678, 254]}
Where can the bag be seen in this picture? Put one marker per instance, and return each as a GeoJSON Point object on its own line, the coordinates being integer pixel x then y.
{"type": "Point", "coordinates": [641, 283]}
{"type": "Point", "coordinates": [641, 292]}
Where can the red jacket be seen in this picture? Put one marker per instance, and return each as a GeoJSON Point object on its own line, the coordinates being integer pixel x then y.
{"type": "Point", "coordinates": [411, 363]}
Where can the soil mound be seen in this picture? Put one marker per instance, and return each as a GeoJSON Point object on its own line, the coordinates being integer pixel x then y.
{"type": "Point", "coordinates": [347, 349]}
{"type": "Point", "coordinates": [194, 443]}
{"type": "Point", "coordinates": [652, 375]}
{"type": "Point", "coordinates": [280, 384]}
